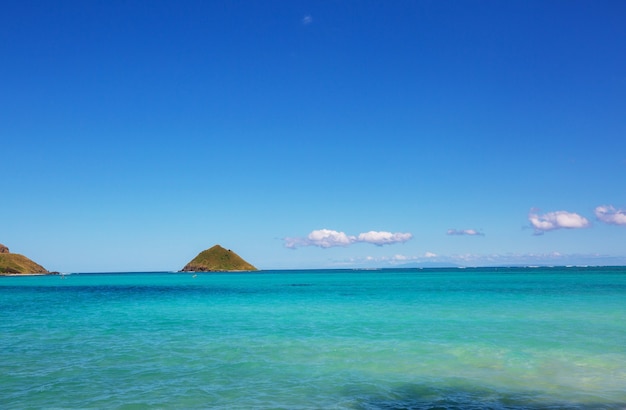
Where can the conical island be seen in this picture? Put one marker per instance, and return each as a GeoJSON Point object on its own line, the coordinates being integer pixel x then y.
{"type": "Point", "coordinates": [217, 259]}
{"type": "Point", "coordinates": [14, 263]}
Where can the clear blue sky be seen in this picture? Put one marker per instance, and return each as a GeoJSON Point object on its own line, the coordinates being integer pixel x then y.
{"type": "Point", "coordinates": [313, 134]}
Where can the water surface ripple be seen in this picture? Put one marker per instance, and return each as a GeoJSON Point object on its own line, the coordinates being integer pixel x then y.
{"type": "Point", "coordinates": [548, 338]}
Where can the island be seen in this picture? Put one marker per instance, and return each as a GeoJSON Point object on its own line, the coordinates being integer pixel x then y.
{"type": "Point", "coordinates": [16, 264]}
{"type": "Point", "coordinates": [218, 259]}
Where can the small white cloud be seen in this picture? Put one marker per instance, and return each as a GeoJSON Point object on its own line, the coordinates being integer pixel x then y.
{"type": "Point", "coordinates": [556, 220]}
{"type": "Point", "coordinates": [383, 238]}
{"type": "Point", "coordinates": [293, 243]}
{"type": "Point", "coordinates": [470, 232]}
{"type": "Point", "coordinates": [608, 214]}
{"type": "Point", "coordinates": [553, 258]}
{"type": "Point", "coordinates": [306, 20]}
{"type": "Point", "coordinates": [327, 238]}
{"type": "Point", "coordinates": [400, 258]}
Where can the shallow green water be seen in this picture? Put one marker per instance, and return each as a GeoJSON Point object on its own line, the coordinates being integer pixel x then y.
{"type": "Point", "coordinates": [403, 339]}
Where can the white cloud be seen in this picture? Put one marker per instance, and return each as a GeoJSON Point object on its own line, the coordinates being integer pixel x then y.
{"type": "Point", "coordinates": [400, 258]}
{"type": "Point", "coordinates": [556, 220]}
{"type": "Point", "coordinates": [430, 259]}
{"type": "Point", "coordinates": [293, 243]}
{"type": "Point", "coordinates": [470, 232]}
{"type": "Point", "coordinates": [306, 20]}
{"type": "Point", "coordinates": [608, 214]}
{"type": "Point", "coordinates": [327, 238]}
{"type": "Point", "coordinates": [383, 238]}
{"type": "Point", "coordinates": [324, 238]}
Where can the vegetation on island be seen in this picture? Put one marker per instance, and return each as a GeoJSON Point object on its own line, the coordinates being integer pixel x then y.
{"type": "Point", "coordinates": [217, 259]}
{"type": "Point", "coordinates": [14, 263]}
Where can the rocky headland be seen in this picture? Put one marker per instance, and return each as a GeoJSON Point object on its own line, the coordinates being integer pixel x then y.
{"type": "Point", "coordinates": [16, 264]}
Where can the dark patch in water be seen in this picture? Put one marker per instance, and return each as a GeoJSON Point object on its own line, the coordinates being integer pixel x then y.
{"type": "Point", "coordinates": [467, 397]}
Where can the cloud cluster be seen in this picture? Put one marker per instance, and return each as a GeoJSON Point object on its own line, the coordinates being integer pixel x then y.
{"type": "Point", "coordinates": [327, 238]}
{"type": "Point", "coordinates": [470, 232]}
{"type": "Point", "coordinates": [608, 214]}
{"type": "Point", "coordinates": [430, 259]}
{"type": "Point", "coordinates": [556, 220]}
{"type": "Point", "coordinates": [570, 220]}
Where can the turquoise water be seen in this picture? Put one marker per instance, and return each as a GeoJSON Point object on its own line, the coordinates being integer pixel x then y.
{"type": "Point", "coordinates": [391, 339]}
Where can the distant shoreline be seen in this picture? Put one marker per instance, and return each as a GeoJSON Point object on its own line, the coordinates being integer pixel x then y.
{"type": "Point", "coordinates": [24, 274]}
{"type": "Point", "coordinates": [30, 274]}
{"type": "Point", "coordinates": [620, 268]}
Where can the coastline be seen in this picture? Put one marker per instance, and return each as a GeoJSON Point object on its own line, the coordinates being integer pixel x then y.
{"type": "Point", "coordinates": [30, 274]}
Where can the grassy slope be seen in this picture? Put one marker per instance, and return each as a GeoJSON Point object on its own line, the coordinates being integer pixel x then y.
{"type": "Point", "coordinates": [217, 259]}
{"type": "Point", "coordinates": [16, 263]}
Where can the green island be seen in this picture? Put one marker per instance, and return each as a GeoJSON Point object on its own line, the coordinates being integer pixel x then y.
{"type": "Point", "coordinates": [218, 259]}
{"type": "Point", "coordinates": [215, 259]}
{"type": "Point", "coordinates": [16, 264]}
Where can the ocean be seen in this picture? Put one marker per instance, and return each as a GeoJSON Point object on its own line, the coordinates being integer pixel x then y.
{"type": "Point", "coordinates": [476, 338]}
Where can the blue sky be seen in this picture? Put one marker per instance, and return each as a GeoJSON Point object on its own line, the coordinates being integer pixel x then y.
{"type": "Point", "coordinates": [313, 134]}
